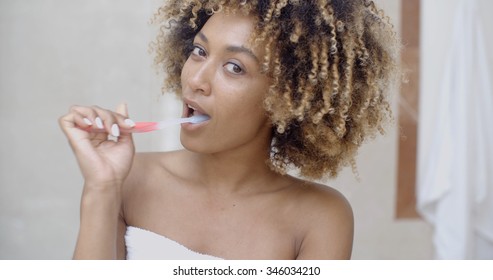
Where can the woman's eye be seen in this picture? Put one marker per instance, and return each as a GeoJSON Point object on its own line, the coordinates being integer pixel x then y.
{"type": "Point", "coordinates": [234, 68]}
{"type": "Point", "coordinates": [198, 51]}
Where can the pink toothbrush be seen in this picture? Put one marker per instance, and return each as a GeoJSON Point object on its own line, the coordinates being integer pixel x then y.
{"type": "Point", "coordinates": [142, 127]}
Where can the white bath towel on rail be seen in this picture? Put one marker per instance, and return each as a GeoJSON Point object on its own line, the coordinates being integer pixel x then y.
{"type": "Point", "coordinates": [455, 179]}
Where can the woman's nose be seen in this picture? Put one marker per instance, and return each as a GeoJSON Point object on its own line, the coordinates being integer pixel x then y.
{"type": "Point", "coordinates": [200, 78]}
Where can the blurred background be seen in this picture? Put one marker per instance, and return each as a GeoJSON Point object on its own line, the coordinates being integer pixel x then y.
{"type": "Point", "coordinates": [54, 54]}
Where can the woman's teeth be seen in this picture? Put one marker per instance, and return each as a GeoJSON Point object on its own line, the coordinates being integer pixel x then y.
{"type": "Point", "coordinates": [194, 111]}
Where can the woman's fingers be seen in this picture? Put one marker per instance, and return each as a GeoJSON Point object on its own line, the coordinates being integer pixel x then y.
{"type": "Point", "coordinates": [122, 110]}
{"type": "Point", "coordinates": [88, 130]}
{"type": "Point", "coordinates": [97, 119]}
{"type": "Point", "coordinates": [88, 127]}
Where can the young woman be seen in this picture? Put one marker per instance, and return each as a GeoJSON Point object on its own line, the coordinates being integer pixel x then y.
{"type": "Point", "coordinates": [287, 85]}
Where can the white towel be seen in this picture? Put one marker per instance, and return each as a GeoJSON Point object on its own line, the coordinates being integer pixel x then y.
{"type": "Point", "coordinates": [455, 179]}
{"type": "Point", "coordinates": [146, 245]}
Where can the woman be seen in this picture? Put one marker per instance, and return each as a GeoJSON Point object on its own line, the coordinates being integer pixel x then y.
{"type": "Point", "coordinates": [286, 85]}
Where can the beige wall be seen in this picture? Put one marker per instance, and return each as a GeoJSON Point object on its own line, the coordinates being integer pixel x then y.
{"type": "Point", "coordinates": [55, 53]}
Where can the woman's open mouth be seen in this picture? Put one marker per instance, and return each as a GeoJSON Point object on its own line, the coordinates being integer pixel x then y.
{"type": "Point", "coordinates": [196, 114]}
{"type": "Point", "coordinates": [193, 109]}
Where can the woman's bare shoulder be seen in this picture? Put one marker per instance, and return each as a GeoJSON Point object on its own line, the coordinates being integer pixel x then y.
{"type": "Point", "coordinates": [327, 222]}
{"type": "Point", "coordinates": [318, 197]}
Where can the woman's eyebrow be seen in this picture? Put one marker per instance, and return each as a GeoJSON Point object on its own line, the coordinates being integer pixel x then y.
{"type": "Point", "coordinates": [242, 49]}
{"type": "Point", "coordinates": [203, 37]}
{"type": "Point", "coordinates": [234, 49]}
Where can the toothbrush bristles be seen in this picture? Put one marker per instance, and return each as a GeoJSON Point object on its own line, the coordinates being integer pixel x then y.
{"type": "Point", "coordinates": [199, 118]}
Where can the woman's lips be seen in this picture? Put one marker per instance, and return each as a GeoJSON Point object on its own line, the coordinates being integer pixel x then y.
{"type": "Point", "coordinates": [193, 109]}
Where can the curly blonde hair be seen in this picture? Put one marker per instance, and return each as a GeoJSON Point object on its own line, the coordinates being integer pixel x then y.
{"type": "Point", "coordinates": [332, 63]}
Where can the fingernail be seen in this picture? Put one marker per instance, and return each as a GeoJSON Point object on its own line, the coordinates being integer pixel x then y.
{"type": "Point", "coordinates": [99, 123]}
{"type": "Point", "coordinates": [87, 121]}
{"type": "Point", "coordinates": [115, 131]}
{"type": "Point", "coordinates": [129, 122]}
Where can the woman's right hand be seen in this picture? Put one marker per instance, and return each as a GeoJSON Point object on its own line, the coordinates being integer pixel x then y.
{"type": "Point", "coordinates": [103, 162]}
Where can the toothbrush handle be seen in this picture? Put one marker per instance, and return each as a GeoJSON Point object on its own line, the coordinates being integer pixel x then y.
{"type": "Point", "coordinates": [151, 126]}
{"type": "Point", "coordinates": [140, 127]}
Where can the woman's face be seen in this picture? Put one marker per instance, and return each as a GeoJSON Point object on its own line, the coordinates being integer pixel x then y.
{"type": "Point", "coordinates": [222, 78]}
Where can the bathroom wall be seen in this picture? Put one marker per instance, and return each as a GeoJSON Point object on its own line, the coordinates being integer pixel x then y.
{"type": "Point", "coordinates": [54, 54]}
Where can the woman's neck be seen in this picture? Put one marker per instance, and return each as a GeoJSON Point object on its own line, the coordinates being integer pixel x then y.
{"type": "Point", "coordinates": [236, 171]}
